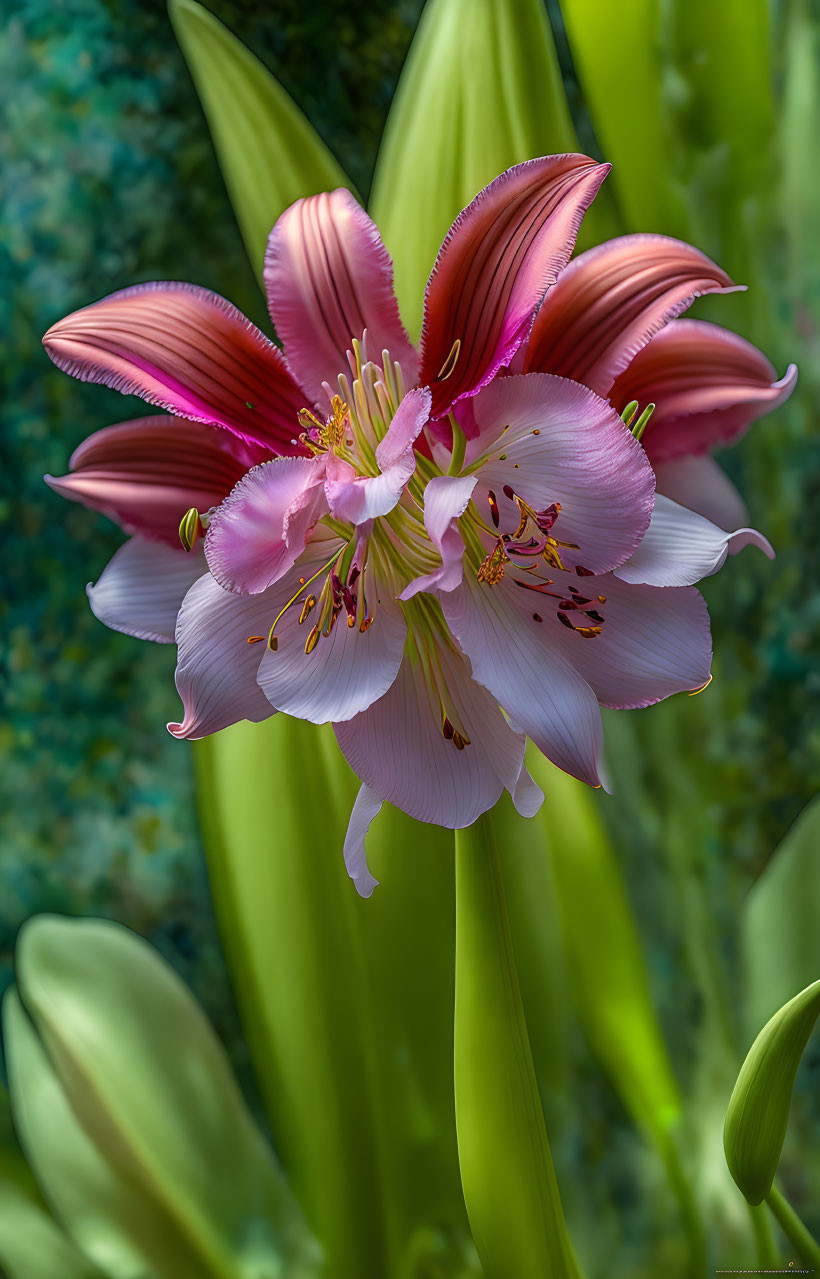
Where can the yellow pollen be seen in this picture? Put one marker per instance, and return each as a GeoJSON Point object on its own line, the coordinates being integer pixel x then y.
{"type": "Point", "coordinates": [491, 569]}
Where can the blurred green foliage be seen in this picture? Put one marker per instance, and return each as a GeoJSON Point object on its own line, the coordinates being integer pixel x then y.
{"type": "Point", "coordinates": [110, 179]}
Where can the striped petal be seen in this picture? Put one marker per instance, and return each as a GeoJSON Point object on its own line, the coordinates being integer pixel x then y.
{"type": "Point", "coordinates": [498, 259]}
{"type": "Point", "coordinates": [186, 350]}
{"type": "Point", "coordinates": [708, 386]}
{"type": "Point", "coordinates": [146, 474]}
{"type": "Point", "coordinates": [609, 301]}
{"type": "Point", "coordinates": [329, 278]}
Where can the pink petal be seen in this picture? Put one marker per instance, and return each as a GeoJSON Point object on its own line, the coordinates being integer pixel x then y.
{"type": "Point", "coordinates": [216, 666]}
{"type": "Point", "coordinates": [610, 300]}
{"type": "Point", "coordinates": [142, 587]}
{"type": "Point", "coordinates": [367, 806]}
{"type": "Point", "coordinates": [445, 499]}
{"type": "Point", "coordinates": [498, 259]}
{"type": "Point", "coordinates": [708, 386]}
{"type": "Point", "coordinates": [261, 528]}
{"type": "Point", "coordinates": [328, 278]}
{"type": "Point", "coordinates": [520, 662]}
{"type": "Point", "coordinates": [364, 498]}
{"type": "Point", "coordinates": [701, 485]}
{"type": "Point", "coordinates": [654, 642]}
{"type": "Point", "coordinates": [681, 547]}
{"type": "Point", "coordinates": [186, 350]}
{"type": "Point", "coordinates": [345, 672]}
{"type": "Point", "coordinates": [147, 473]}
{"type": "Point", "coordinates": [551, 440]}
{"type": "Point", "coordinates": [396, 747]}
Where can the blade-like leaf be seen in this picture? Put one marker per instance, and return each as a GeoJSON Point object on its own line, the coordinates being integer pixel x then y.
{"type": "Point", "coordinates": [758, 1112]}
{"type": "Point", "coordinates": [480, 91]}
{"type": "Point", "coordinates": [269, 153]}
{"type": "Point", "coordinates": [780, 937]}
{"type": "Point", "coordinates": [510, 1187]}
{"type": "Point", "coordinates": [346, 1004]}
{"type": "Point", "coordinates": [616, 52]}
{"type": "Point", "coordinates": [126, 1055]}
{"type": "Point", "coordinates": [32, 1246]}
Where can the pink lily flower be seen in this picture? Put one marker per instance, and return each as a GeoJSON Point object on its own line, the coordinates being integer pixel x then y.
{"type": "Point", "coordinates": [363, 561]}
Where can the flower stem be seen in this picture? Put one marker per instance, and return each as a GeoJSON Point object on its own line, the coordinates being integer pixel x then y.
{"type": "Point", "coordinates": [509, 1182]}
{"type": "Point", "coordinates": [806, 1246]}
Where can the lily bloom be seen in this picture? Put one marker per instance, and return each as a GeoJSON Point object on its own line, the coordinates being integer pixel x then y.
{"type": "Point", "coordinates": [438, 556]}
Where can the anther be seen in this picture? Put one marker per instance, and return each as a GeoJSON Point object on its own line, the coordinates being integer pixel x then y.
{"type": "Point", "coordinates": [312, 640]}
{"type": "Point", "coordinates": [306, 607]}
{"type": "Point", "coordinates": [367, 622]}
{"type": "Point", "coordinates": [255, 639]}
{"type": "Point", "coordinates": [536, 617]}
{"type": "Point", "coordinates": [451, 361]}
{"type": "Point", "coordinates": [494, 512]}
{"type": "Point", "coordinates": [190, 529]}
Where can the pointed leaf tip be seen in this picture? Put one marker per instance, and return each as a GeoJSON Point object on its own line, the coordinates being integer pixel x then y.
{"type": "Point", "coordinates": [268, 151]}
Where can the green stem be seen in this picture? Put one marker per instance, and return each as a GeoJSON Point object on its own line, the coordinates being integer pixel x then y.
{"type": "Point", "coordinates": [509, 1182]}
{"type": "Point", "coordinates": [764, 1235]}
{"type": "Point", "coordinates": [806, 1246]}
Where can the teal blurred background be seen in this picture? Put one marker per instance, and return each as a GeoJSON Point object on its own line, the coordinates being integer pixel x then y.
{"type": "Point", "coordinates": [110, 179]}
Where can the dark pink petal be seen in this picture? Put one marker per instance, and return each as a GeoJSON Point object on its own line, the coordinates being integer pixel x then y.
{"type": "Point", "coordinates": [147, 473]}
{"type": "Point", "coordinates": [701, 485]}
{"type": "Point", "coordinates": [520, 662]}
{"type": "Point", "coordinates": [553, 441]}
{"type": "Point", "coordinates": [216, 666]}
{"type": "Point", "coordinates": [609, 301]}
{"type": "Point", "coordinates": [328, 278]}
{"type": "Point", "coordinates": [681, 547]}
{"type": "Point", "coordinates": [261, 528]}
{"type": "Point", "coordinates": [356, 499]}
{"type": "Point", "coordinates": [186, 350]}
{"type": "Point", "coordinates": [445, 499]}
{"type": "Point", "coordinates": [396, 747]}
{"type": "Point", "coordinates": [708, 386]}
{"type": "Point", "coordinates": [498, 259]}
{"type": "Point", "coordinates": [653, 642]}
{"type": "Point", "coordinates": [142, 587]}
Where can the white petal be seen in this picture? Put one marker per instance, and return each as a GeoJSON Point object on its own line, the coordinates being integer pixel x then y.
{"type": "Point", "coordinates": [516, 658]}
{"type": "Point", "coordinates": [142, 587]}
{"type": "Point", "coordinates": [345, 672]}
{"type": "Point", "coordinates": [216, 669]}
{"type": "Point", "coordinates": [366, 807]}
{"type": "Point", "coordinates": [681, 547]}
{"type": "Point", "coordinates": [396, 747]}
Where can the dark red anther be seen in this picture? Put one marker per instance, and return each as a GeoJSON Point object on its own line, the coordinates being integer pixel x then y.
{"type": "Point", "coordinates": [508, 491]}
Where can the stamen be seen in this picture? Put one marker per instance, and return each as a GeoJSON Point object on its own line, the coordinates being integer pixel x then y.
{"type": "Point", "coordinates": [306, 608]}
{"type": "Point", "coordinates": [494, 512]}
{"type": "Point", "coordinates": [312, 640]}
{"type": "Point", "coordinates": [450, 363]}
{"type": "Point", "coordinates": [255, 639]}
{"type": "Point", "coordinates": [190, 529]}
{"type": "Point", "coordinates": [491, 569]}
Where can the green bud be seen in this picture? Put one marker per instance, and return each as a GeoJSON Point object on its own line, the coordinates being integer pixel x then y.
{"type": "Point", "coordinates": [190, 529]}
{"type": "Point", "coordinates": [759, 1106]}
{"type": "Point", "coordinates": [129, 1115]}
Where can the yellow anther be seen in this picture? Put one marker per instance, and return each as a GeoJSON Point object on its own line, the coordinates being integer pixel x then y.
{"type": "Point", "coordinates": [190, 529]}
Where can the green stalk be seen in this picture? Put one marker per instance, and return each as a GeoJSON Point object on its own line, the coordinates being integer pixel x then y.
{"type": "Point", "coordinates": [806, 1246]}
{"type": "Point", "coordinates": [510, 1188]}
{"type": "Point", "coordinates": [274, 799]}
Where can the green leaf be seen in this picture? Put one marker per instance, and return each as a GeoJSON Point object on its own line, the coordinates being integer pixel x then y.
{"type": "Point", "coordinates": [758, 1112]}
{"type": "Point", "coordinates": [480, 91]}
{"type": "Point", "coordinates": [346, 1004]}
{"type": "Point", "coordinates": [615, 48]}
{"type": "Point", "coordinates": [510, 1188]}
{"type": "Point", "coordinates": [32, 1246]}
{"type": "Point", "coordinates": [269, 153]}
{"type": "Point", "coordinates": [780, 937]}
{"type": "Point", "coordinates": [131, 1118]}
